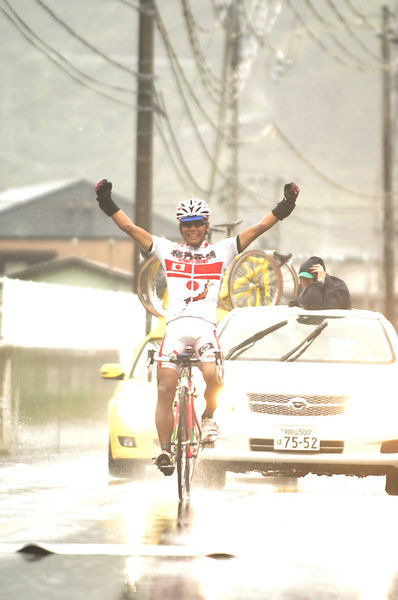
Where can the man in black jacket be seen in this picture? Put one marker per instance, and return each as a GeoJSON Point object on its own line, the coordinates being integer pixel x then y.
{"type": "Point", "coordinates": [318, 290]}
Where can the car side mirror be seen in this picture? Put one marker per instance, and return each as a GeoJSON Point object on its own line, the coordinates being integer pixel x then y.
{"type": "Point", "coordinates": [112, 371]}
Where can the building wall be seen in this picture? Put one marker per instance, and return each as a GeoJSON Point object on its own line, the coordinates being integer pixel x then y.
{"type": "Point", "coordinates": [113, 253]}
{"type": "Point", "coordinates": [80, 276]}
{"type": "Point", "coordinates": [56, 399]}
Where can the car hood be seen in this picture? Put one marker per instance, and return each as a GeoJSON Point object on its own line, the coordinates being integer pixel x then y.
{"type": "Point", "coordinates": [309, 378]}
{"type": "Point", "coordinates": [368, 393]}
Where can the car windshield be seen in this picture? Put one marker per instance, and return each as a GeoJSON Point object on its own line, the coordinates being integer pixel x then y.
{"type": "Point", "coordinates": [139, 368]}
{"type": "Point", "coordinates": [344, 340]}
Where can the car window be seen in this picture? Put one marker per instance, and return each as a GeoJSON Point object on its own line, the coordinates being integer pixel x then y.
{"type": "Point", "coordinates": [139, 368]}
{"type": "Point", "coordinates": [350, 340]}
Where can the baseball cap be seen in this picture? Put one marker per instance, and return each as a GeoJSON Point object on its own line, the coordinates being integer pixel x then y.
{"type": "Point", "coordinates": [306, 275]}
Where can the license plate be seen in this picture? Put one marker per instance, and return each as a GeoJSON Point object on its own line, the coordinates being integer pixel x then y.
{"type": "Point", "coordinates": [301, 439]}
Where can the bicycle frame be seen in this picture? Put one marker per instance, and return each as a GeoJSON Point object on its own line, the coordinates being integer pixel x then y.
{"type": "Point", "coordinates": [185, 383]}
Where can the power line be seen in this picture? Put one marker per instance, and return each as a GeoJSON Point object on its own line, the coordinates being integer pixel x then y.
{"type": "Point", "coordinates": [201, 28]}
{"type": "Point", "coordinates": [192, 119]}
{"type": "Point", "coordinates": [336, 40]}
{"type": "Point", "coordinates": [363, 18]}
{"type": "Point", "coordinates": [261, 37]}
{"type": "Point", "coordinates": [357, 63]}
{"type": "Point", "coordinates": [64, 64]}
{"type": "Point", "coordinates": [180, 154]}
{"type": "Point", "coordinates": [87, 44]}
{"type": "Point", "coordinates": [174, 163]}
{"type": "Point", "coordinates": [347, 27]}
{"type": "Point", "coordinates": [219, 15]}
{"type": "Point", "coordinates": [60, 66]}
{"type": "Point", "coordinates": [319, 172]}
{"type": "Point", "coordinates": [179, 75]}
{"type": "Point", "coordinates": [210, 80]}
{"type": "Point", "coordinates": [315, 38]}
{"type": "Point", "coordinates": [176, 66]}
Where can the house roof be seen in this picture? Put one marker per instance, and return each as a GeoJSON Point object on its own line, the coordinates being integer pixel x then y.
{"type": "Point", "coordinates": [51, 266]}
{"type": "Point", "coordinates": [66, 210]}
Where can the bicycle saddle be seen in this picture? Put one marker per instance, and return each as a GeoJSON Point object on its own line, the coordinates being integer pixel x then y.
{"type": "Point", "coordinates": [283, 258]}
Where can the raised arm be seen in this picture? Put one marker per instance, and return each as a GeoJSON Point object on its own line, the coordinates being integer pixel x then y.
{"type": "Point", "coordinates": [281, 211]}
{"type": "Point", "coordinates": [123, 221]}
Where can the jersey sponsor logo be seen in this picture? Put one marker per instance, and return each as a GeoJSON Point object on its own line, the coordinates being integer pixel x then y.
{"type": "Point", "coordinates": [188, 255]}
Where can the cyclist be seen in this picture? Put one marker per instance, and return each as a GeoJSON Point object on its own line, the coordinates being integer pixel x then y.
{"type": "Point", "coordinates": [194, 272]}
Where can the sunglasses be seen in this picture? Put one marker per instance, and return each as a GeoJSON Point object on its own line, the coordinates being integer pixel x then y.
{"type": "Point", "coordinates": [193, 223]}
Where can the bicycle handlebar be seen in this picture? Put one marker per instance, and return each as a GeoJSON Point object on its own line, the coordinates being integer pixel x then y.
{"type": "Point", "coordinates": [183, 359]}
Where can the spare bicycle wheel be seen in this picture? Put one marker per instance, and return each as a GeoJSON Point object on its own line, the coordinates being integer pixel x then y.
{"type": "Point", "coordinates": [290, 282]}
{"type": "Point", "coordinates": [152, 287]}
{"type": "Point", "coordinates": [224, 301]}
{"type": "Point", "coordinates": [255, 280]}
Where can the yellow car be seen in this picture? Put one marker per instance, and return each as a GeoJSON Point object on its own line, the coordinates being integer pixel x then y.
{"type": "Point", "coordinates": [133, 440]}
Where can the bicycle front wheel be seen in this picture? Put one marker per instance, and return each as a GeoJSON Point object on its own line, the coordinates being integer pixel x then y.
{"type": "Point", "coordinates": [255, 280]}
{"type": "Point", "coordinates": [184, 457]}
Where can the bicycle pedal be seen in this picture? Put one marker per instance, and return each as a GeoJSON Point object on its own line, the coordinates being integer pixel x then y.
{"type": "Point", "coordinates": [167, 470]}
{"type": "Point", "coordinates": [208, 444]}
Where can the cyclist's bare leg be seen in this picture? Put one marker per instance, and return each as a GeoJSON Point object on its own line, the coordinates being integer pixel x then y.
{"type": "Point", "coordinates": [213, 387]}
{"type": "Point", "coordinates": [167, 382]}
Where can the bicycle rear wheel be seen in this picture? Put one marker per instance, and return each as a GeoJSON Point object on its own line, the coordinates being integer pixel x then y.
{"type": "Point", "coordinates": [255, 280]}
{"type": "Point", "coordinates": [184, 458]}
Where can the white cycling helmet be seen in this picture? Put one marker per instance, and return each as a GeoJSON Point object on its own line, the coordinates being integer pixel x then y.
{"type": "Point", "coordinates": [192, 209]}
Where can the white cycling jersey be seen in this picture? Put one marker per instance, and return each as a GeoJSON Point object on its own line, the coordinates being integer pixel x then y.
{"type": "Point", "coordinates": [194, 275]}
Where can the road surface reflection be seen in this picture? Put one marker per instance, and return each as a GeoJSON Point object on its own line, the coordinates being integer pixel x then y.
{"type": "Point", "coordinates": [315, 538]}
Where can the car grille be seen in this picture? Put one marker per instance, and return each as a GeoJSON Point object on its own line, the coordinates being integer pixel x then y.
{"type": "Point", "coordinates": [297, 406]}
{"type": "Point", "coordinates": [267, 445]}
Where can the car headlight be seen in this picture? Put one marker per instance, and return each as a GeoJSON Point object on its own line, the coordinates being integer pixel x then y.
{"type": "Point", "coordinates": [372, 414]}
{"type": "Point", "coordinates": [231, 400]}
{"type": "Point", "coordinates": [136, 414]}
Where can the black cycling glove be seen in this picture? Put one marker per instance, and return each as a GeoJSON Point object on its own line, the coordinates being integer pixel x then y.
{"type": "Point", "coordinates": [104, 198]}
{"type": "Point", "coordinates": [288, 202]}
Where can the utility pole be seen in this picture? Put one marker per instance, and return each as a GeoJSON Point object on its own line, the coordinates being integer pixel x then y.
{"type": "Point", "coordinates": [233, 57]}
{"type": "Point", "coordinates": [388, 272]}
{"type": "Point", "coordinates": [234, 131]}
{"type": "Point", "coordinates": [144, 131]}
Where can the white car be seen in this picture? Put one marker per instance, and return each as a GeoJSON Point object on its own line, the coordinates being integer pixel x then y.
{"type": "Point", "coordinates": [307, 392]}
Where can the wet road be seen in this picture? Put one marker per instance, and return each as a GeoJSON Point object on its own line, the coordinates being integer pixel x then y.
{"type": "Point", "coordinates": [94, 537]}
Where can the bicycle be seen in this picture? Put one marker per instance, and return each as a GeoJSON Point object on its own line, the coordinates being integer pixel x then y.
{"type": "Point", "coordinates": [186, 436]}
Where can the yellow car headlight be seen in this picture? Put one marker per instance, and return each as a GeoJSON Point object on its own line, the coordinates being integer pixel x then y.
{"type": "Point", "coordinates": [136, 414]}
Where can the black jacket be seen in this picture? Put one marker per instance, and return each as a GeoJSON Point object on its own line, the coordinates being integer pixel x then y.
{"type": "Point", "coordinates": [334, 293]}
